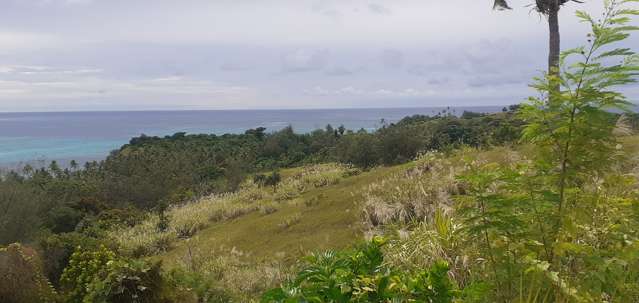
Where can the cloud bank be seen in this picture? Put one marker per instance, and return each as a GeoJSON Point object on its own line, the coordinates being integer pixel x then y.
{"type": "Point", "coordinates": [241, 54]}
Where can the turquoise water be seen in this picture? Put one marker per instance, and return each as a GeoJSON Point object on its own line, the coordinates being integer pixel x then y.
{"type": "Point", "coordinates": [26, 149]}
{"type": "Point", "coordinates": [82, 136]}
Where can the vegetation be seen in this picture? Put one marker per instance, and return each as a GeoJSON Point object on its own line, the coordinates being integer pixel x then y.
{"type": "Point", "coordinates": [186, 220]}
{"type": "Point", "coordinates": [453, 208]}
{"type": "Point", "coordinates": [359, 276]}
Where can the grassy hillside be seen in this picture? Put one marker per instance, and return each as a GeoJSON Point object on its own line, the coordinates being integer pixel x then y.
{"type": "Point", "coordinates": [245, 251]}
{"type": "Point", "coordinates": [249, 241]}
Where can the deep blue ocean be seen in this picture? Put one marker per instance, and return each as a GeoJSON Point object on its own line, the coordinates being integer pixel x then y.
{"type": "Point", "coordinates": [37, 138]}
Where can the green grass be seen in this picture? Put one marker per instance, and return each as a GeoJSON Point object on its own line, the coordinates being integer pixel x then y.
{"type": "Point", "coordinates": [257, 250]}
{"type": "Point", "coordinates": [322, 218]}
{"type": "Point", "coordinates": [318, 209]}
{"type": "Point", "coordinates": [326, 218]}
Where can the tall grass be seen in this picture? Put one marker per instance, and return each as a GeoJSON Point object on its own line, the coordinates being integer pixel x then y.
{"type": "Point", "coordinates": [186, 220]}
{"type": "Point", "coordinates": [232, 270]}
{"type": "Point", "coordinates": [416, 208]}
{"type": "Point", "coordinates": [413, 195]}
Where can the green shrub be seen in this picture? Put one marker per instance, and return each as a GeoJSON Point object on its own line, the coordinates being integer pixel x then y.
{"type": "Point", "coordinates": [359, 149]}
{"type": "Point", "coordinates": [360, 276]}
{"type": "Point", "coordinates": [56, 251]}
{"type": "Point", "coordinates": [102, 276]}
{"type": "Point", "coordinates": [84, 267]}
{"type": "Point", "coordinates": [202, 287]}
{"type": "Point", "coordinates": [124, 281]}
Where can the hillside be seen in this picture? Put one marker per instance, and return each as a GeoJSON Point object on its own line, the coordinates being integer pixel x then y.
{"type": "Point", "coordinates": [320, 218]}
{"type": "Point", "coordinates": [313, 208]}
{"type": "Point", "coordinates": [316, 208]}
{"type": "Point", "coordinates": [254, 236]}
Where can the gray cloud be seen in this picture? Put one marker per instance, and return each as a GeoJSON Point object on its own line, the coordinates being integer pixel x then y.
{"type": "Point", "coordinates": [304, 60]}
{"type": "Point", "coordinates": [392, 59]}
{"type": "Point", "coordinates": [120, 54]}
{"type": "Point", "coordinates": [340, 71]}
{"type": "Point", "coordinates": [497, 80]}
{"type": "Point", "coordinates": [234, 67]}
{"type": "Point", "coordinates": [379, 9]}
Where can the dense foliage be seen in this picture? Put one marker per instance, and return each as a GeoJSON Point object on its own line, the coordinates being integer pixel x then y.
{"type": "Point", "coordinates": [151, 172]}
{"type": "Point", "coordinates": [360, 276]}
{"type": "Point", "coordinates": [58, 209]}
{"type": "Point", "coordinates": [102, 276]}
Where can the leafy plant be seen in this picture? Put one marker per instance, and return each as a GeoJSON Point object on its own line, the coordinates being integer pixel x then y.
{"type": "Point", "coordinates": [83, 269]}
{"type": "Point", "coordinates": [360, 276]}
{"type": "Point", "coordinates": [103, 276]}
{"type": "Point", "coordinates": [552, 216]}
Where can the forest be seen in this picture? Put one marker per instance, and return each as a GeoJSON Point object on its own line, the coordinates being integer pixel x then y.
{"type": "Point", "coordinates": [536, 203]}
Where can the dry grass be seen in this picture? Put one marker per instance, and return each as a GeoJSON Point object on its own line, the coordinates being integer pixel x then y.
{"type": "Point", "coordinates": [290, 221]}
{"type": "Point", "coordinates": [233, 271]}
{"type": "Point", "coordinates": [440, 239]}
{"type": "Point", "coordinates": [415, 207]}
{"type": "Point", "coordinates": [413, 195]}
{"type": "Point", "coordinates": [186, 220]}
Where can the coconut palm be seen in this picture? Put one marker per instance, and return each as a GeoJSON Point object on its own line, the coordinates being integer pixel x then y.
{"type": "Point", "coordinates": [550, 9]}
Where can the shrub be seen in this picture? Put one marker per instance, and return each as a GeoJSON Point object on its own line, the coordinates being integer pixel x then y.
{"type": "Point", "coordinates": [124, 281]}
{"type": "Point", "coordinates": [58, 248]}
{"type": "Point", "coordinates": [102, 276]}
{"type": "Point", "coordinates": [84, 267]}
{"type": "Point", "coordinates": [360, 276]}
{"type": "Point", "coordinates": [21, 277]}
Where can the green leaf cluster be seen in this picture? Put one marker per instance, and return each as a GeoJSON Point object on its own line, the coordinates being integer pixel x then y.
{"type": "Point", "coordinates": [360, 276]}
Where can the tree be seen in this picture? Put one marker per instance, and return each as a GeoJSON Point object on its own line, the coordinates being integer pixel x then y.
{"type": "Point", "coordinates": [273, 180]}
{"type": "Point", "coordinates": [573, 125]}
{"type": "Point", "coordinates": [550, 9]}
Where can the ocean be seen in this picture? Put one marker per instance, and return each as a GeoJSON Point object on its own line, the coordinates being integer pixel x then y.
{"type": "Point", "coordinates": [37, 138]}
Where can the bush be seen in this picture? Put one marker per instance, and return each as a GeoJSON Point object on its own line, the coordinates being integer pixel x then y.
{"type": "Point", "coordinates": [102, 276]}
{"type": "Point", "coordinates": [360, 276]}
{"type": "Point", "coordinates": [21, 277]}
{"type": "Point", "coordinates": [57, 249]}
{"type": "Point", "coordinates": [360, 149]}
{"type": "Point", "coordinates": [200, 286]}
{"type": "Point", "coordinates": [124, 281]}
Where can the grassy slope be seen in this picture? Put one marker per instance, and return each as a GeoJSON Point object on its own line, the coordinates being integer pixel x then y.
{"type": "Point", "coordinates": [331, 222]}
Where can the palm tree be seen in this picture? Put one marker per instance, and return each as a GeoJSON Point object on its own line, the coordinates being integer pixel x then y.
{"type": "Point", "coordinates": [550, 9]}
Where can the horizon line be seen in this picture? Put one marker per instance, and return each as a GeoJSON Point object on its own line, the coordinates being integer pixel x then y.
{"type": "Point", "coordinates": [247, 109]}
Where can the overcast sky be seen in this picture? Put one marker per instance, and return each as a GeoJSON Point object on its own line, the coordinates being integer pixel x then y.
{"type": "Point", "coordinates": [243, 54]}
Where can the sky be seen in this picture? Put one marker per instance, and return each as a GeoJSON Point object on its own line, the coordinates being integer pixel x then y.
{"type": "Point", "coordinates": [73, 55]}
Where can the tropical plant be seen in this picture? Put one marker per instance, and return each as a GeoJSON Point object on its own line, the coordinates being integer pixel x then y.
{"type": "Point", "coordinates": [361, 276]}
{"type": "Point", "coordinates": [573, 128]}
{"type": "Point", "coordinates": [103, 276]}
{"type": "Point", "coordinates": [84, 267]}
{"type": "Point", "coordinates": [550, 220]}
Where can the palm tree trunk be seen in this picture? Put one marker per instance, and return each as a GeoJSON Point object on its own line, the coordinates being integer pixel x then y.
{"type": "Point", "coordinates": [554, 39]}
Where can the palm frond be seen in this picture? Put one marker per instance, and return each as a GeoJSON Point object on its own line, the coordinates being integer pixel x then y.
{"type": "Point", "coordinates": [501, 5]}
